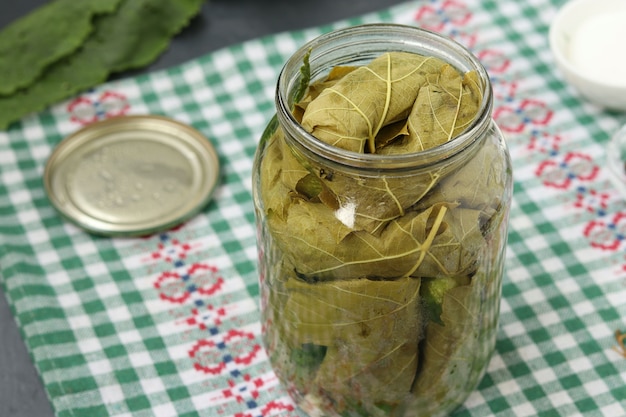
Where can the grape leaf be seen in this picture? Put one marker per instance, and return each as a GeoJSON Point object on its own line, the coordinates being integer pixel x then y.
{"type": "Point", "coordinates": [444, 367]}
{"type": "Point", "coordinates": [478, 184]}
{"type": "Point", "coordinates": [45, 35]}
{"type": "Point", "coordinates": [370, 328]}
{"type": "Point", "coordinates": [443, 109]}
{"type": "Point", "coordinates": [284, 180]}
{"type": "Point", "coordinates": [350, 113]}
{"type": "Point", "coordinates": [370, 105]}
{"type": "Point", "coordinates": [131, 37]}
{"type": "Point", "coordinates": [438, 241]}
{"type": "Point", "coordinates": [454, 353]}
{"type": "Point", "coordinates": [379, 199]}
{"type": "Point", "coordinates": [315, 89]}
{"type": "Point", "coordinates": [374, 201]}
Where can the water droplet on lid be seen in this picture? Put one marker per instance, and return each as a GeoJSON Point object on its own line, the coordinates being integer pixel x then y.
{"type": "Point", "coordinates": [128, 170]}
{"type": "Point", "coordinates": [106, 175]}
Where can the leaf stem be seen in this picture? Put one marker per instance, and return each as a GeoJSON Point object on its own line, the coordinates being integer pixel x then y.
{"type": "Point", "coordinates": [425, 247]}
{"type": "Point", "coordinates": [372, 139]}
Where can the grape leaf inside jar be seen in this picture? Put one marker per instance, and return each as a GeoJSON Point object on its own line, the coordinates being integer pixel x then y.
{"type": "Point", "coordinates": [355, 250]}
{"type": "Point", "coordinates": [399, 103]}
{"type": "Point", "coordinates": [370, 328]}
{"type": "Point", "coordinates": [430, 97]}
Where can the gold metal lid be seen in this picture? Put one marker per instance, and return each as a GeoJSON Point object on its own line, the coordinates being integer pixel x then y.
{"type": "Point", "coordinates": [131, 175]}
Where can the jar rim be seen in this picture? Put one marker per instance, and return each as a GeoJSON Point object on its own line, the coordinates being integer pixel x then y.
{"type": "Point", "coordinates": [406, 38]}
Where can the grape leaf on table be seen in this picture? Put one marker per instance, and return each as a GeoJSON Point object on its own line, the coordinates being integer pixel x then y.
{"type": "Point", "coordinates": [130, 38]}
{"type": "Point", "coordinates": [45, 35]}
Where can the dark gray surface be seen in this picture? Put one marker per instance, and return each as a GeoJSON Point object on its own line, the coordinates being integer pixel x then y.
{"type": "Point", "coordinates": [221, 23]}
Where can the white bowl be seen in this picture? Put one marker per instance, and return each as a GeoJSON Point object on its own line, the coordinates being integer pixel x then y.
{"type": "Point", "coordinates": [586, 38]}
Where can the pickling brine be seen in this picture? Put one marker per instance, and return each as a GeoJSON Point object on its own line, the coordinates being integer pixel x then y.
{"type": "Point", "coordinates": [382, 189]}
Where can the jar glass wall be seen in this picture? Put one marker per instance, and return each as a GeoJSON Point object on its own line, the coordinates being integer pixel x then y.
{"type": "Point", "coordinates": [380, 272]}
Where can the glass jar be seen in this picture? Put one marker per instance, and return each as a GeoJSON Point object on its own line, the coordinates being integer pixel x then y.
{"type": "Point", "coordinates": [380, 273]}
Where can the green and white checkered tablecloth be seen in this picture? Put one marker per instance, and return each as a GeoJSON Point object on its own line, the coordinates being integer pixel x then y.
{"type": "Point", "coordinates": [168, 325]}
